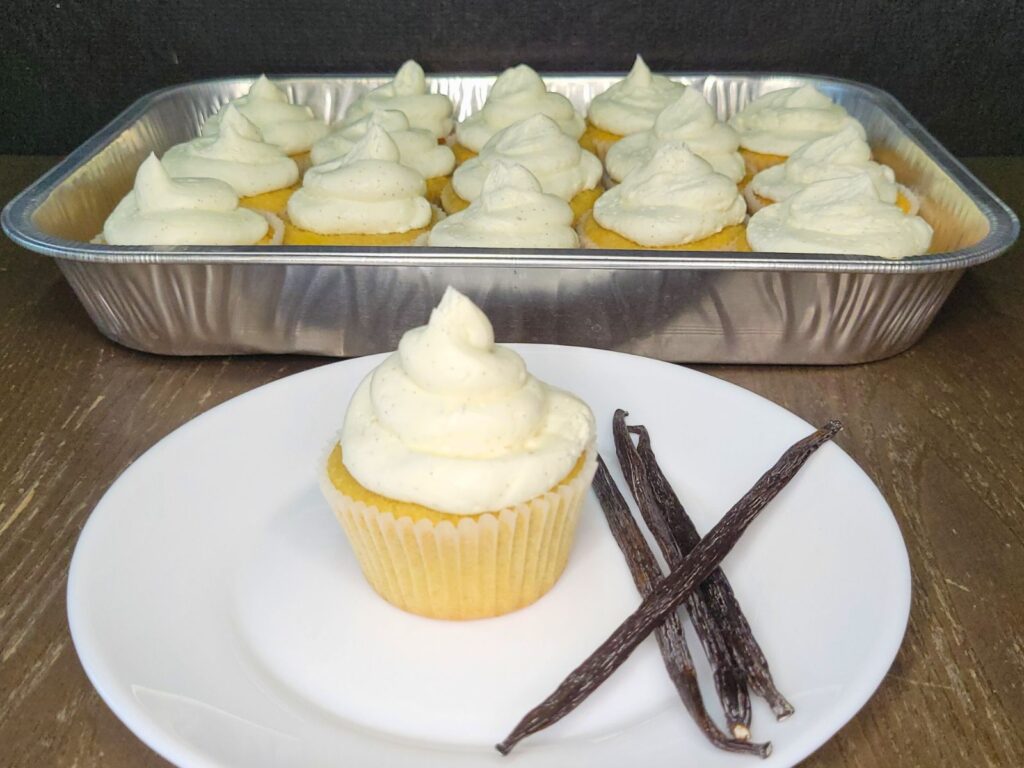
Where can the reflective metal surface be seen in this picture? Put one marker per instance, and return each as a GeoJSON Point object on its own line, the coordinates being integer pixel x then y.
{"type": "Point", "coordinates": [713, 307]}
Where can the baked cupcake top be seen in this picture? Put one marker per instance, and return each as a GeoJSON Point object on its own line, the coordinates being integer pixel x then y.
{"type": "Point", "coordinates": [839, 216]}
{"type": "Point", "coordinates": [780, 122]}
{"type": "Point", "coordinates": [365, 192]}
{"type": "Point", "coordinates": [517, 94]}
{"type": "Point", "coordinates": [511, 212]}
{"type": "Point", "coordinates": [289, 126]}
{"type": "Point", "coordinates": [164, 211]}
{"type": "Point", "coordinates": [408, 93]}
{"type": "Point", "coordinates": [537, 143]}
{"type": "Point", "coordinates": [417, 148]}
{"type": "Point", "coordinates": [690, 119]}
{"type": "Point", "coordinates": [630, 105]}
{"type": "Point", "coordinates": [455, 422]}
{"type": "Point", "coordinates": [673, 199]}
{"type": "Point", "coordinates": [833, 157]}
{"type": "Point", "coordinates": [236, 154]}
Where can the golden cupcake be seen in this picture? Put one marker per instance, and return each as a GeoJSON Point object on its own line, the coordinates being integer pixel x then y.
{"type": "Point", "coordinates": [364, 198]}
{"type": "Point", "coordinates": [558, 162]}
{"type": "Point", "coordinates": [457, 476]}
{"type": "Point", "coordinates": [161, 210]}
{"type": "Point", "coordinates": [409, 94]}
{"type": "Point", "coordinates": [673, 202]}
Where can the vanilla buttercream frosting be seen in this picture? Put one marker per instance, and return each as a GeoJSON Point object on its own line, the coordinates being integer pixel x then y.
{"type": "Point", "coordinates": [838, 156]}
{"type": "Point", "coordinates": [780, 122]}
{"type": "Point", "coordinates": [291, 127]}
{"type": "Point", "coordinates": [236, 154]}
{"type": "Point", "coordinates": [558, 162]}
{"type": "Point", "coordinates": [417, 148]}
{"type": "Point", "coordinates": [842, 215]}
{"type": "Point", "coordinates": [690, 119]}
{"type": "Point", "coordinates": [673, 199]}
{"type": "Point", "coordinates": [366, 192]}
{"type": "Point", "coordinates": [517, 94]}
{"type": "Point", "coordinates": [512, 211]}
{"type": "Point", "coordinates": [631, 105]}
{"type": "Point", "coordinates": [455, 422]}
{"type": "Point", "coordinates": [409, 94]}
{"type": "Point", "coordinates": [161, 210]}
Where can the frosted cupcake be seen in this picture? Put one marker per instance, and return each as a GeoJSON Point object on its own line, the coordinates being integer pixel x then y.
{"type": "Point", "coordinates": [417, 148]}
{"type": "Point", "coordinates": [690, 119]}
{"type": "Point", "coordinates": [839, 156]}
{"type": "Point", "coordinates": [775, 125]}
{"type": "Point", "coordinates": [839, 216]}
{"type": "Point", "coordinates": [261, 173]}
{"type": "Point", "coordinates": [512, 211]}
{"type": "Point", "coordinates": [409, 94]}
{"type": "Point", "coordinates": [161, 210]}
{"type": "Point", "coordinates": [559, 163]}
{"type": "Point", "coordinates": [627, 107]}
{"type": "Point", "coordinates": [457, 476]}
{"type": "Point", "coordinates": [292, 127]}
{"type": "Point", "coordinates": [365, 198]}
{"type": "Point", "coordinates": [517, 94]}
{"type": "Point", "coordinates": [673, 202]}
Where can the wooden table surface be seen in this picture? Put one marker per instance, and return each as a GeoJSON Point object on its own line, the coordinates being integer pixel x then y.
{"type": "Point", "coordinates": [938, 428]}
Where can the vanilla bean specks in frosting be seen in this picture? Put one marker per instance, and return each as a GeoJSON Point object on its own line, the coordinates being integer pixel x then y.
{"type": "Point", "coordinates": [408, 93]}
{"type": "Point", "coordinates": [161, 210]}
{"type": "Point", "coordinates": [690, 119]}
{"type": "Point", "coordinates": [367, 192]}
{"type": "Point", "coordinates": [291, 127]}
{"type": "Point", "coordinates": [630, 105]}
{"type": "Point", "coordinates": [517, 94]}
{"type": "Point", "coordinates": [455, 422]}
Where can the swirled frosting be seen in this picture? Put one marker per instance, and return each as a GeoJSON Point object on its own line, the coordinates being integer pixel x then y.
{"type": "Point", "coordinates": [832, 157]}
{"type": "Point", "coordinates": [690, 119]}
{"type": "Point", "coordinates": [289, 126]}
{"type": "Point", "coordinates": [630, 105]}
{"type": "Point", "coordinates": [455, 422]}
{"type": "Point", "coordinates": [558, 162]}
{"type": "Point", "coordinates": [164, 211]}
{"type": "Point", "coordinates": [237, 154]}
{"type": "Point", "coordinates": [780, 122]}
{"type": "Point", "coordinates": [674, 198]}
{"type": "Point", "coordinates": [517, 94]}
{"type": "Point", "coordinates": [417, 148]}
{"type": "Point", "coordinates": [839, 216]}
{"type": "Point", "coordinates": [408, 94]}
{"type": "Point", "coordinates": [367, 192]}
{"type": "Point", "coordinates": [511, 212]}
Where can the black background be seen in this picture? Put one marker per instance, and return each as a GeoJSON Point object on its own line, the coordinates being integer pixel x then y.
{"type": "Point", "coordinates": [69, 67]}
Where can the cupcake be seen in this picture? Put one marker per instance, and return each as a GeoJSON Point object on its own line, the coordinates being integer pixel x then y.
{"type": "Point", "coordinates": [838, 156]}
{"type": "Point", "coordinates": [559, 163]}
{"type": "Point", "coordinates": [291, 127]}
{"type": "Point", "coordinates": [517, 94]}
{"type": "Point", "coordinates": [775, 125]}
{"type": "Point", "coordinates": [627, 107]}
{"type": "Point", "coordinates": [408, 94]}
{"type": "Point", "coordinates": [690, 119]}
{"type": "Point", "coordinates": [261, 173]}
{"type": "Point", "coordinates": [842, 215]}
{"type": "Point", "coordinates": [364, 198]}
{"type": "Point", "coordinates": [161, 210]}
{"type": "Point", "coordinates": [457, 476]}
{"type": "Point", "coordinates": [674, 202]}
{"type": "Point", "coordinates": [417, 148]}
{"type": "Point", "coordinates": [512, 211]}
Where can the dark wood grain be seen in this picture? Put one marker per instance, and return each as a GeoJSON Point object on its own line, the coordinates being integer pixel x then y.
{"type": "Point", "coordinates": [938, 428]}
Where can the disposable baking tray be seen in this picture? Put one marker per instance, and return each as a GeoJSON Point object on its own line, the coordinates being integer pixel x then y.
{"type": "Point", "coordinates": [685, 306]}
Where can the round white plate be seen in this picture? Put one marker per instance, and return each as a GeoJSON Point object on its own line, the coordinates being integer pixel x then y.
{"type": "Point", "coordinates": [217, 608]}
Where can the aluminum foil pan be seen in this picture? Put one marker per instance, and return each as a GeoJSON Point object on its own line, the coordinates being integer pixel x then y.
{"type": "Point", "coordinates": [683, 306]}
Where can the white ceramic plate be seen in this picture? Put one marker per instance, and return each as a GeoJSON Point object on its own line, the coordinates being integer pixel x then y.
{"type": "Point", "coordinates": [217, 608]}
